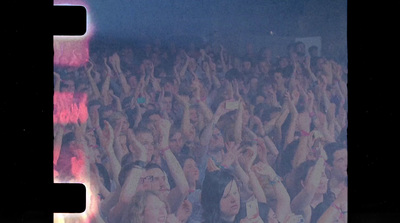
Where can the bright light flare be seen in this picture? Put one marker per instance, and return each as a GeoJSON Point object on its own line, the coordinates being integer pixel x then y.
{"type": "Point", "coordinates": [73, 51]}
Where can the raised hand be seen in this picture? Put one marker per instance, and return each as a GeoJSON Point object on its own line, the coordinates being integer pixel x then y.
{"type": "Point", "coordinates": [164, 126]}
{"type": "Point", "coordinates": [140, 151]}
{"type": "Point", "coordinates": [221, 110]}
{"type": "Point", "coordinates": [57, 76]}
{"type": "Point", "coordinates": [247, 158]}
{"type": "Point", "coordinates": [107, 67]}
{"type": "Point", "coordinates": [211, 167]}
{"type": "Point", "coordinates": [231, 155]}
{"type": "Point", "coordinates": [107, 139]}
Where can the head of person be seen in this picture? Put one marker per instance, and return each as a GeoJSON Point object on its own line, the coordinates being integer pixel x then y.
{"type": "Point", "coordinates": [189, 167]}
{"type": "Point", "coordinates": [155, 179]}
{"type": "Point", "coordinates": [175, 139]}
{"type": "Point", "coordinates": [147, 207]}
{"type": "Point", "coordinates": [287, 156]}
{"type": "Point", "coordinates": [145, 137]}
{"type": "Point", "coordinates": [67, 85]}
{"type": "Point", "coordinates": [119, 117]}
{"type": "Point", "coordinates": [166, 102]}
{"type": "Point", "coordinates": [300, 48]}
{"type": "Point", "coordinates": [263, 67]}
{"type": "Point", "coordinates": [217, 140]}
{"type": "Point", "coordinates": [301, 174]}
{"type": "Point", "coordinates": [313, 51]}
{"type": "Point", "coordinates": [337, 159]}
{"type": "Point", "coordinates": [152, 179]}
{"type": "Point", "coordinates": [149, 121]}
{"type": "Point", "coordinates": [246, 64]}
{"type": "Point", "coordinates": [220, 197]}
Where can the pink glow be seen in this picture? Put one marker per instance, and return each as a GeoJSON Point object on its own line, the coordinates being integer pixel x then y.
{"type": "Point", "coordinates": [68, 109]}
{"type": "Point", "coordinates": [73, 51]}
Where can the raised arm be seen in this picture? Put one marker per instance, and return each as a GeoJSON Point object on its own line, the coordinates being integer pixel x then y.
{"type": "Point", "coordinates": [185, 125]}
{"type": "Point", "coordinates": [116, 99]}
{"type": "Point", "coordinates": [247, 160]}
{"type": "Point", "coordinates": [88, 70]}
{"type": "Point", "coordinates": [293, 120]}
{"type": "Point", "coordinates": [282, 209]}
{"type": "Point", "coordinates": [107, 142]}
{"type": "Point", "coordinates": [106, 85]}
{"type": "Point", "coordinates": [337, 211]}
{"type": "Point", "coordinates": [221, 54]}
{"type": "Point", "coordinates": [57, 79]}
{"type": "Point", "coordinates": [304, 197]}
{"type": "Point", "coordinates": [175, 168]}
{"type": "Point", "coordinates": [185, 66]}
{"type": "Point", "coordinates": [116, 65]}
{"type": "Point", "coordinates": [59, 133]}
{"type": "Point", "coordinates": [308, 68]}
{"type": "Point", "coordinates": [204, 109]}
{"type": "Point", "coordinates": [239, 123]}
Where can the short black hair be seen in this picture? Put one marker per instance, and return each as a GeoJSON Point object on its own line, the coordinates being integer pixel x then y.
{"type": "Point", "coordinates": [331, 148]}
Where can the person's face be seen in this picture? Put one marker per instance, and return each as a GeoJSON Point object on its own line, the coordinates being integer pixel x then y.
{"type": "Point", "coordinates": [340, 163]}
{"type": "Point", "coordinates": [216, 141]}
{"type": "Point", "coordinates": [190, 169]}
{"type": "Point", "coordinates": [146, 139]}
{"type": "Point", "coordinates": [156, 180]}
{"type": "Point", "coordinates": [192, 133]}
{"type": "Point", "coordinates": [70, 86]}
{"type": "Point", "coordinates": [323, 184]}
{"type": "Point", "coordinates": [253, 83]}
{"type": "Point", "coordinates": [176, 143]}
{"type": "Point", "coordinates": [259, 99]}
{"type": "Point", "coordinates": [283, 62]}
{"type": "Point", "coordinates": [194, 118]}
{"type": "Point", "coordinates": [278, 78]}
{"type": "Point", "coordinates": [301, 49]}
{"type": "Point", "coordinates": [155, 210]}
{"type": "Point", "coordinates": [230, 201]}
{"type": "Point", "coordinates": [167, 104]}
{"type": "Point", "coordinates": [263, 67]}
{"type": "Point", "coordinates": [246, 65]}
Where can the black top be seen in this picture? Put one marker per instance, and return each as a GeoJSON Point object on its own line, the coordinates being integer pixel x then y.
{"type": "Point", "coordinates": [263, 211]}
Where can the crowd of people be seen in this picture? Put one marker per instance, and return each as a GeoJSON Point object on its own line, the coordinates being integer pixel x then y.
{"type": "Point", "coordinates": [197, 134]}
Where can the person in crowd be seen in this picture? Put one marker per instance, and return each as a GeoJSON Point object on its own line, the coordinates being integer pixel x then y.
{"type": "Point", "coordinates": [179, 133]}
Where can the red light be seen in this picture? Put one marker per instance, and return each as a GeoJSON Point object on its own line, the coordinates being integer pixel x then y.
{"type": "Point", "coordinates": [72, 51]}
{"type": "Point", "coordinates": [69, 109]}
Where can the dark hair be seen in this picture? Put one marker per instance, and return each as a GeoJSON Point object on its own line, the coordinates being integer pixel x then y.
{"type": "Point", "coordinates": [285, 164]}
{"type": "Point", "coordinates": [233, 74]}
{"type": "Point", "coordinates": [104, 174]}
{"type": "Point", "coordinates": [182, 159]}
{"type": "Point", "coordinates": [331, 148]}
{"type": "Point", "coordinates": [300, 174]}
{"type": "Point", "coordinates": [213, 186]}
{"type": "Point", "coordinates": [123, 174]}
{"type": "Point", "coordinates": [67, 139]}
